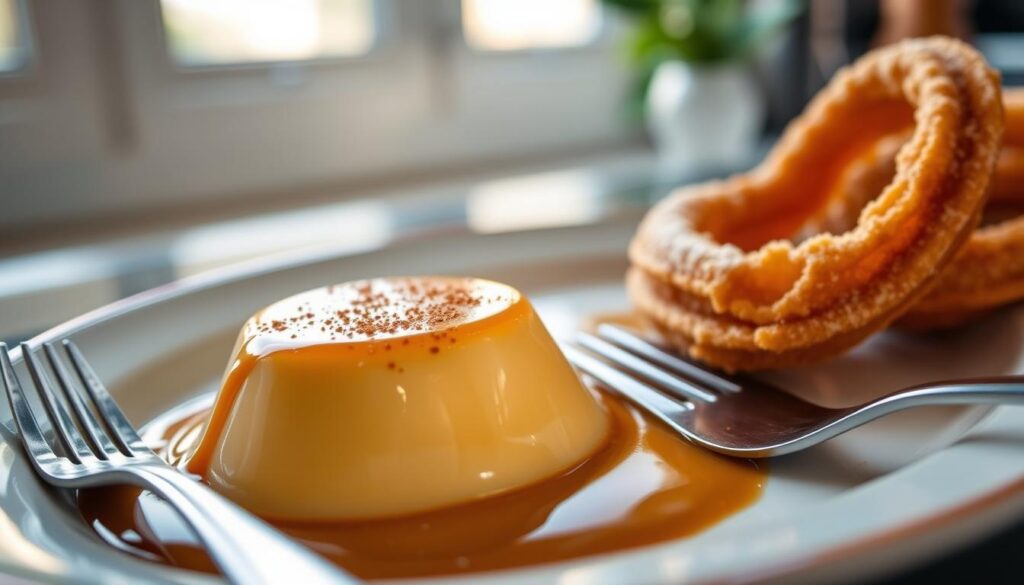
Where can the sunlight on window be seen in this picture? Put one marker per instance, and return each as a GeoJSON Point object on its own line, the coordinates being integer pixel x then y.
{"type": "Point", "coordinates": [14, 48]}
{"type": "Point", "coordinates": [219, 32]}
{"type": "Point", "coordinates": [513, 25]}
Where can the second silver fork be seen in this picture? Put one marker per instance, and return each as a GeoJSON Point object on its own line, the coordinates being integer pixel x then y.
{"type": "Point", "coordinates": [110, 452]}
{"type": "Point", "coordinates": [740, 415]}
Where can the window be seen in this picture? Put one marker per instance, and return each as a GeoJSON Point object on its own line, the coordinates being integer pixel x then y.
{"type": "Point", "coordinates": [204, 32]}
{"type": "Point", "coordinates": [165, 103]}
{"type": "Point", "coordinates": [514, 25]}
{"type": "Point", "coordinates": [14, 42]}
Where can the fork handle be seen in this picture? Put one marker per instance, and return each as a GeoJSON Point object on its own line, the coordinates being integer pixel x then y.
{"type": "Point", "coordinates": [996, 390]}
{"type": "Point", "coordinates": [246, 549]}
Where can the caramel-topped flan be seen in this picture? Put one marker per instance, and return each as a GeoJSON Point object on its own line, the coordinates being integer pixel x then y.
{"type": "Point", "coordinates": [386, 397]}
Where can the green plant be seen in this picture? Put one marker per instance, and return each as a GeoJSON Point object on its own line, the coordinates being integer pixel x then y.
{"type": "Point", "coordinates": [702, 32]}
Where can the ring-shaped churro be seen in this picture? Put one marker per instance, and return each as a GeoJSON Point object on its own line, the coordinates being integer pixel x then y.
{"type": "Point", "coordinates": [988, 271]}
{"type": "Point", "coordinates": [710, 268]}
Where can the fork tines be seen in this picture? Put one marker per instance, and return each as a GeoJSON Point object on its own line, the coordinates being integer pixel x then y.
{"type": "Point", "coordinates": [93, 429]}
{"type": "Point", "coordinates": [635, 357]}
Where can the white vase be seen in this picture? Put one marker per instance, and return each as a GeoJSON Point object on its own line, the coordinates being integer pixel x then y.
{"type": "Point", "coordinates": [703, 119]}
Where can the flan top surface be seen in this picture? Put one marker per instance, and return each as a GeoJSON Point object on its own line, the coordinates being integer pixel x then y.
{"type": "Point", "coordinates": [375, 310]}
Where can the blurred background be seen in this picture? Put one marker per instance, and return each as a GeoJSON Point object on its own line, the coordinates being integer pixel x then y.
{"type": "Point", "coordinates": [143, 141]}
{"type": "Point", "coordinates": [146, 140]}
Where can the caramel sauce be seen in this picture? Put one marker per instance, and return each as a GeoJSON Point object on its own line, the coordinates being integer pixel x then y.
{"type": "Point", "coordinates": [645, 486]}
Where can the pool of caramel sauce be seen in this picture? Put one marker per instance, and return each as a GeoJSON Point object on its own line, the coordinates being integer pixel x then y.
{"type": "Point", "coordinates": [645, 486]}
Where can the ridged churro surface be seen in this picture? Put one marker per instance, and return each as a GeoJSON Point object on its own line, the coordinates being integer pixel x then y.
{"type": "Point", "coordinates": [713, 266]}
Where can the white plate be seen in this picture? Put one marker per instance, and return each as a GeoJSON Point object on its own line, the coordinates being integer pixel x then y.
{"type": "Point", "coordinates": [884, 496]}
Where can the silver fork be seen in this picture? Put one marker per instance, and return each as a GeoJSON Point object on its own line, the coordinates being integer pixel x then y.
{"type": "Point", "coordinates": [741, 416]}
{"type": "Point", "coordinates": [110, 452]}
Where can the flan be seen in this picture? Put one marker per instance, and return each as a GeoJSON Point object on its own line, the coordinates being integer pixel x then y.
{"type": "Point", "coordinates": [387, 397]}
